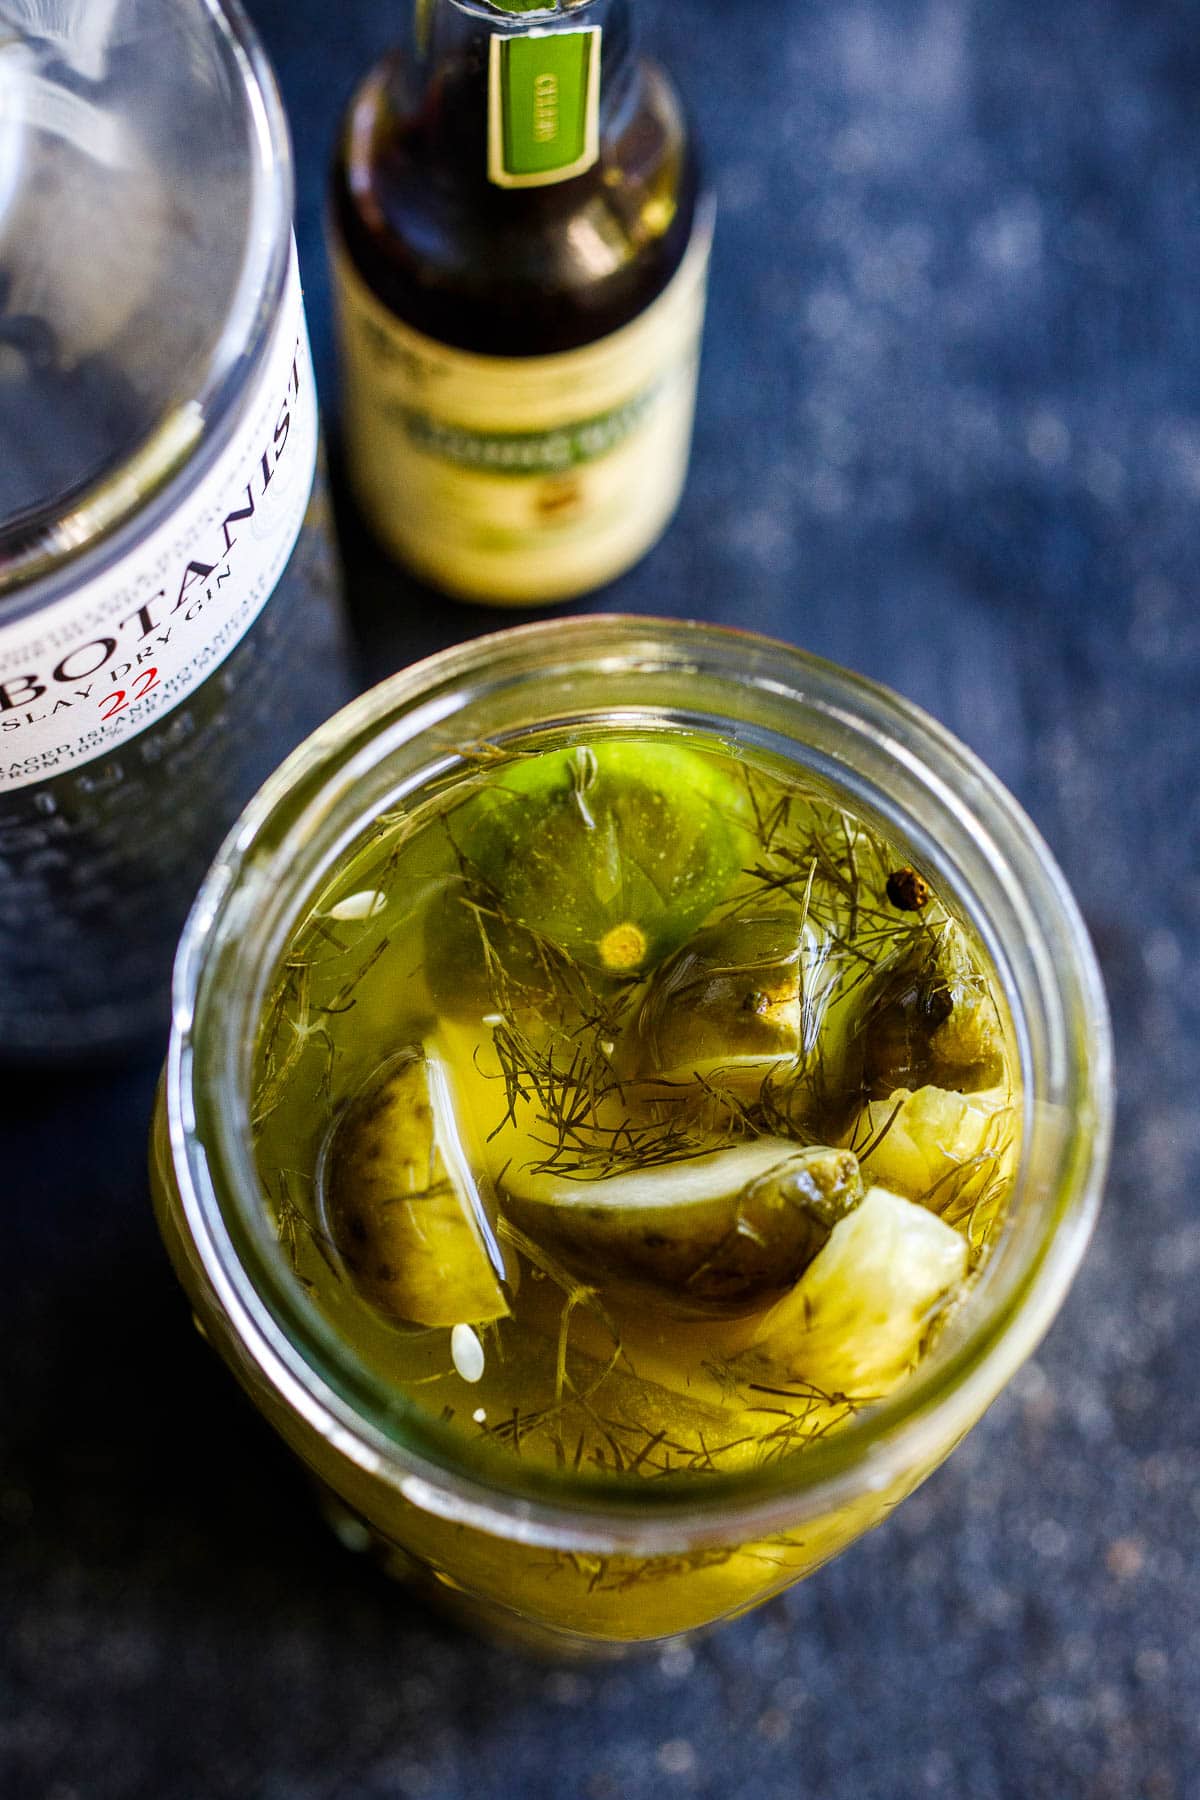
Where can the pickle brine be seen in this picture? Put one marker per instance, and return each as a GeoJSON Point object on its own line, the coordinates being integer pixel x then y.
{"type": "Point", "coordinates": [630, 1112]}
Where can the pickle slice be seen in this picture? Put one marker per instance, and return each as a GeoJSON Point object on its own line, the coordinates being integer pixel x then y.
{"type": "Point", "coordinates": [934, 1144]}
{"type": "Point", "coordinates": [716, 1233]}
{"type": "Point", "coordinates": [728, 1005]}
{"type": "Point", "coordinates": [855, 1323]}
{"type": "Point", "coordinates": [407, 1211]}
{"type": "Point", "coordinates": [616, 853]}
{"type": "Point", "coordinates": [930, 1020]}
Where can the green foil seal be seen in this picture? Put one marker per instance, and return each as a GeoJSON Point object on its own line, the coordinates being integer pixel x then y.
{"type": "Point", "coordinates": [544, 106]}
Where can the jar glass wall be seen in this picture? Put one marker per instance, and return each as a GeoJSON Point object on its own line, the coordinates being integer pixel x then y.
{"type": "Point", "coordinates": [543, 1550]}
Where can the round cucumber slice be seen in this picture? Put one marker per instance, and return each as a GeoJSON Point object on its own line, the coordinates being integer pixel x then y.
{"type": "Point", "coordinates": [854, 1324]}
{"type": "Point", "coordinates": [616, 853]}
{"type": "Point", "coordinates": [408, 1212]}
{"type": "Point", "coordinates": [717, 1232]}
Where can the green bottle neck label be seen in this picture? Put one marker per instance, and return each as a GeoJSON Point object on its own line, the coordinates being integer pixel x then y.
{"type": "Point", "coordinates": [544, 106]}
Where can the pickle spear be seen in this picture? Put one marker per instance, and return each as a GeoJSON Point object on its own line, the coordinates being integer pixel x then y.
{"type": "Point", "coordinates": [617, 853]}
{"type": "Point", "coordinates": [407, 1211]}
{"type": "Point", "coordinates": [855, 1323]}
{"type": "Point", "coordinates": [715, 1233]}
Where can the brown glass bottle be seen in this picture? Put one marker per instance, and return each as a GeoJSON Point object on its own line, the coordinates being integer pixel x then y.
{"type": "Point", "coordinates": [547, 290]}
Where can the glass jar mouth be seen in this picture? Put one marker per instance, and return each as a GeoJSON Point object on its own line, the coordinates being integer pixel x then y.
{"type": "Point", "coordinates": [49, 549]}
{"type": "Point", "coordinates": [960, 818]}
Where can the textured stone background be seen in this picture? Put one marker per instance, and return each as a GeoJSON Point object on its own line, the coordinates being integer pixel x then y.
{"type": "Point", "coordinates": [950, 435]}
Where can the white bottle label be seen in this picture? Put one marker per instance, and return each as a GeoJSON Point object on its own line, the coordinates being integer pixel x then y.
{"type": "Point", "coordinates": [99, 666]}
{"type": "Point", "coordinates": [520, 479]}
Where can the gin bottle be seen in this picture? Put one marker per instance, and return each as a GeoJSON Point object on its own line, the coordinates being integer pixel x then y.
{"type": "Point", "coordinates": [169, 618]}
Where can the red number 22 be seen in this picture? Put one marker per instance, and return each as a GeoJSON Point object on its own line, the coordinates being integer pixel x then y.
{"type": "Point", "coordinates": [116, 702]}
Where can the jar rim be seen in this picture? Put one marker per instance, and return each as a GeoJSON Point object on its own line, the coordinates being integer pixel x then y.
{"type": "Point", "coordinates": [46, 557]}
{"type": "Point", "coordinates": [1067, 1090]}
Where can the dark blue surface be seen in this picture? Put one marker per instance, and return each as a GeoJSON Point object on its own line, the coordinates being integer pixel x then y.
{"type": "Point", "coordinates": [950, 435]}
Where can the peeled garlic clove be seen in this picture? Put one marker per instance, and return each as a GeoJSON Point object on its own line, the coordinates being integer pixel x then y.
{"type": "Point", "coordinates": [854, 1324]}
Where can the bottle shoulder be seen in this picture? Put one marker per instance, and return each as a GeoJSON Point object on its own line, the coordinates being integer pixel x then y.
{"type": "Point", "coordinates": [503, 272]}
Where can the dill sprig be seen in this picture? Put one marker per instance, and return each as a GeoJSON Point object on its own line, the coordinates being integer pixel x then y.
{"type": "Point", "coordinates": [290, 1029]}
{"type": "Point", "coordinates": [554, 1027]}
{"type": "Point", "coordinates": [294, 1228]}
{"type": "Point", "coordinates": [576, 1294]}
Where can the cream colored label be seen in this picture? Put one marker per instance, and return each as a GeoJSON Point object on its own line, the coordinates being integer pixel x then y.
{"type": "Point", "coordinates": [523, 479]}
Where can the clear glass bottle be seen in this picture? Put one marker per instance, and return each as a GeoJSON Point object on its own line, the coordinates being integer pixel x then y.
{"type": "Point", "coordinates": [558, 1555]}
{"type": "Point", "coordinates": [520, 239]}
{"type": "Point", "coordinates": [169, 608]}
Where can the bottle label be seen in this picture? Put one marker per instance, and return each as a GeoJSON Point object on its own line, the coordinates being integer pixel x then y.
{"type": "Point", "coordinates": [543, 106]}
{"type": "Point", "coordinates": [105, 662]}
{"type": "Point", "coordinates": [521, 479]}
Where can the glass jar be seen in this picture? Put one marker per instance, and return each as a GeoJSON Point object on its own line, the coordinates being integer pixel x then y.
{"type": "Point", "coordinates": [551, 1555]}
{"type": "Point", "coordinates": [169, 617]}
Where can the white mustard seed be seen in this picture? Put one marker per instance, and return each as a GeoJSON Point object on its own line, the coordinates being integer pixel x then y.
{"type": "Point", "coordinates": [358, 906]}
{"type": "Point", "coordinates": [466, 1353]}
